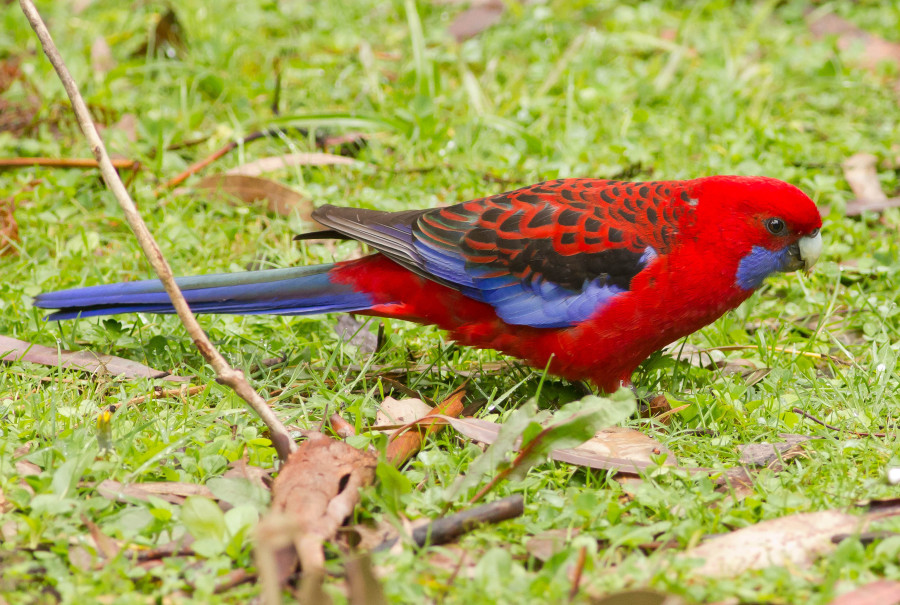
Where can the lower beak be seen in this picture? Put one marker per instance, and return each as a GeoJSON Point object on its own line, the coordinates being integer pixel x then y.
{"type": "Point", "coordinates": [804, 253]}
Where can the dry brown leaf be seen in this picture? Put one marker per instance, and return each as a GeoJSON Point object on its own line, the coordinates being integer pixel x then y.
{"type": "Point", "coordinates": [279, 199]}
{"type": "Point", "coordinates": [289, 160]}
{"type": "Point", "coordinates": [101, 56]}
{"type": "Point", "coordinates": [105, 545]}
{"type": "Point", "coordinates": [401, 411]}
{"type": "Point", "coordinates": [654, 407]}
{"type": "Point", "coordinates": [406, 442]}
{"type": "Point", "coordinates": [170, 491]}
{"type": "Point", "coordinates": [478, 17]}
{"type": "Point", "coordinates": [13, 349]}
{"type": "Point", "coordinates": [316, 490]}
{"type": "Point", "coordinates": [353, 332]}
{"type": "Point", "coordinates": [9, 228]}
{"type": "Point", "coordinates": [874, 49]}
{"type": "Point", "coordinates": [764, 454]}
{"type": "Point", "coordinates": [239, 469]}
{"type": "Point", "coordinates": [624, 443]}
{"type": "Point", "coordinates": [796, 539]}
{"type": "Point", "coordinates": [879, 592]}
{"type": "Point", "coordinates": [615, 440]}
{"type": "Point", "coordinates": [861, 173]}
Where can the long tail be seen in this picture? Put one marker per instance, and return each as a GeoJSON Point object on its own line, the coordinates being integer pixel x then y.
{"type": "Point", "coordinates": [294, 291]}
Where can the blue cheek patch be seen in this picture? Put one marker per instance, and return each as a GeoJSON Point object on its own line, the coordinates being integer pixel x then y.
{"type": "Point", "coordinates": [758, 265]}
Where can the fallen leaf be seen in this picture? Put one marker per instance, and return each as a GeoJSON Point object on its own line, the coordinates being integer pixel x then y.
{"type": "Point", "coordinates": [624, 443]}
{"type": "Point", "coordinates": [316, 490]}
{"type": "Point", "coordinates": [861, 173]}
{"type": "Point", "coordinates": [654, 407]}
{"type": "Point", "coordinates": [105, 545]}
{"type": "Point", "coordinates": [262, 477]}
{"type": "Point", "coordinates": [13, 349]}
{"type": "Point", "coordinates": [355, 333]}
{"type": "Point", "coordinates": [406, 442]}
{"type": "Point", "coordinates": [101, 56]}
{"type": "Point", "coordinates": [281, 162]}
{"type": "Point", "coordinates": [170, 491]}
{"type": "Point", "coordinates": [401, 411]}
{"type": "Point", "coordinates": [874, 49]}
{"type": "Point", "coordinates": [280, 199]}
{"type": "Point", "coordinates": [480, 15]}
{"type": "Point", "coordinates": [796, 539]}
{"type": "Point", "coordinates": [569, 428]}
{"type": "Point", "coordinates": [591, 456]}
{"type": "Point", "coordinates": [9, 228]}
{"type": "Point", "coordinates": [879, 592]}
{"type": "Point", "coordinates": [764, 453]}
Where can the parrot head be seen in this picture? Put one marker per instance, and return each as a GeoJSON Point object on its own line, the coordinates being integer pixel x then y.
{"type": "Point", "coordinates": [764, 225]}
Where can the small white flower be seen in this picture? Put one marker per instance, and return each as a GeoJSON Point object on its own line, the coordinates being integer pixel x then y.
{"type": "Point", "coordinates": [880, 368]}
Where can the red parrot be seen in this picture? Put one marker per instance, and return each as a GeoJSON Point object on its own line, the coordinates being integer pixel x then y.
{"type": "Point", "coordinates": [587, 277]}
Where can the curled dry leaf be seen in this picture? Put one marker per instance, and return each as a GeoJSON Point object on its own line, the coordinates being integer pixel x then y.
{"type": "Point", "coordinates": [880, 592]}
{"type": "Point", "coordinates": [317, 489]}
{"type": "Point", "coordinates": [289, 160]}
{"type": "Point", "coordinates": [764, 454]}
{"type": "Point", "coordinates": [13, 349]}
{"type": "Point", "coordinates": [796, 539]}
{"type": "Point", "coordinates": [249, 189]}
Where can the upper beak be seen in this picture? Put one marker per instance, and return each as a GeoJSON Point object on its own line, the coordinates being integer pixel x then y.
{"type": "Point", "coordinates": [804, 253]}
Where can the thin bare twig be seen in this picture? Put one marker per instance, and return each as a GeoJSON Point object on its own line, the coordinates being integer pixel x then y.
{"type": "Point", "coordinates": [227, 375]}
{"type": "Point", "coordinates": [836, 428]}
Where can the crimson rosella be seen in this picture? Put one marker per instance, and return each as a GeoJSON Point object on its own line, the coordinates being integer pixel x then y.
{"type": "Point", "coordinates": [586, 277]}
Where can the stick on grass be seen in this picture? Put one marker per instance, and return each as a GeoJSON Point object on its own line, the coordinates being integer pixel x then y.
{"type": "Point", "coordinates": [227, 375]}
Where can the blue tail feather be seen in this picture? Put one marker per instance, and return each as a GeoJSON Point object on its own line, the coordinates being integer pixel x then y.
{"type": "Point", "coordinates": [293, 291]}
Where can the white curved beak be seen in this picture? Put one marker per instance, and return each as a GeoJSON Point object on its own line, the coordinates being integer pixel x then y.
{"type": "Point", "coordinates": [810, 249]}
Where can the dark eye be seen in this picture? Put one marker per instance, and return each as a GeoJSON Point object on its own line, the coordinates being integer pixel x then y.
{"type": "Point", "coordinates": [775, 226]}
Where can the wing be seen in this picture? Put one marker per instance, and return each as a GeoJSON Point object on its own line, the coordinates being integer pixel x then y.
{"type": "Point", "coordinates": [550, 255]}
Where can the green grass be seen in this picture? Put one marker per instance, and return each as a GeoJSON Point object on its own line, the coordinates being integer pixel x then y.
{"type": "Point", "coordinates": [657, 89]}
